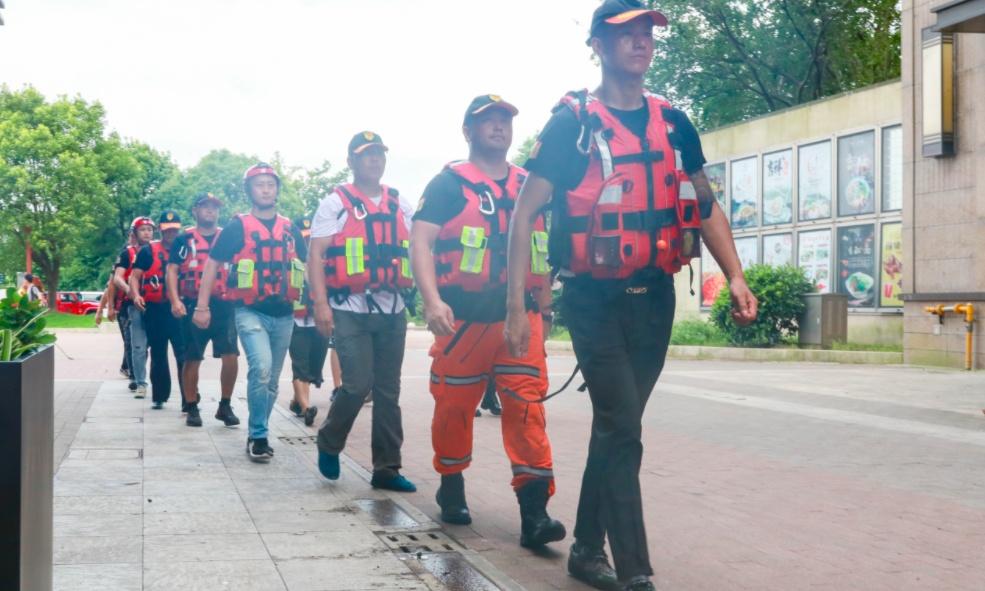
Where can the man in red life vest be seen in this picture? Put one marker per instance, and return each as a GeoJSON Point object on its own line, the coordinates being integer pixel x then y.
{"type": "Point", "coordinates": [459, 256]}
{"type": "Point", "coordinates": [626, 214]}
{"type": "Point", "coordinates": [265, 254]}
{"type": "Point", "coordinates": [148, 290]}
{"type": "Point", "coordinates": [119, 303]}
{"type": "Point", "coordinates": [186, 262]}
{"type": "Point", "coordinates": [131, 319]}
{"type": "Point", "coordinates": [357, 269]}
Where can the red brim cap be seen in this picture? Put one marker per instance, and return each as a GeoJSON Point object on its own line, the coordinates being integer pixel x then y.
{"type": "Point", "coordinates": [657, 17]}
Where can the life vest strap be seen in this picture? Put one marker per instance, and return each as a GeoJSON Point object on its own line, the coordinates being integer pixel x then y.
{"type": "Point", "coordinates": [637, 221]}
{"type": "Point", "coordinates": [648, 157]}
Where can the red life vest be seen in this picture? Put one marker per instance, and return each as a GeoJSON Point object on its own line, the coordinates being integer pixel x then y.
{"type": "Point", "coordinates": [635, 208]}
{"type": "Point", "coordinates": [196, 254]}
{"type": "Point", "coordinates": [120, 296]}
{"type": "Point", "coordinates": [267, 266]}
{"type": "Point", "coordinates": [371, 251]}
{"type": "Point", "coordinates": [471, 248]}
{"type": "Point", "coordinates": [152, 281]}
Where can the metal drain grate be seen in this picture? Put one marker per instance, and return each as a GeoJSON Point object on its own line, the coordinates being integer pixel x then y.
{"type": "Point", "coordinates": [430, 542]}
{"type": "Point", "coordinates": [300, 441]}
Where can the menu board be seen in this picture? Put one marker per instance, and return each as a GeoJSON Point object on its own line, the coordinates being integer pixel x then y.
{"type": "Point", "coordinates": [716, 178]}
{"type": "Point", "coordinates": [748, 250]}
{"type": "Point", "coordinates": [892, 266]}
{"type": "Point", "coordinates": [778, 188]}
{"type": "Point", "coordinates": [892, 168]}
{"type": "Point", "coordinates": [712, 279]}
{"type": "Point", "coordinates": [857, 265]}
{"type": "Point", "coordinates": [814, 257]}
{"type": "Point", "coordinates": [814, 181]}
{"type": "Point", "coordinates": [856, 174]}
{"type": "Point", "coordinates": [778, 250]}
{"type": "Point", "coordinates": [744, 211]}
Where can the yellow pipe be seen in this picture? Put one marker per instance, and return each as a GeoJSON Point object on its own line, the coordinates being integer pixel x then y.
{"type": "Point", "coordinates": [969, 318]}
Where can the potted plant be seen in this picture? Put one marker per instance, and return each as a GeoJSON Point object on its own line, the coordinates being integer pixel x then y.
{"type": "Point", "coordinates": [27, 393]}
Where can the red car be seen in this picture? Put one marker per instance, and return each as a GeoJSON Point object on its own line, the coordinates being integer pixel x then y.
{"type": "Point", "coordinates": [72, 302]}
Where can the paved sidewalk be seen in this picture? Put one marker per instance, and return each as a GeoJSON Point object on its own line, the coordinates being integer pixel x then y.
{"type": "Point", "coordinates": [143, 502]}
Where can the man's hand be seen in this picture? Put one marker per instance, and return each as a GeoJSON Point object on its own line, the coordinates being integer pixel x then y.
{"type": "Point", "coordinates": [202, 318]}
{"type": "Point", "coordinates": [516, 330]}
{"type": "Point", "coordinates": [745, 306]}
{"type": "Point", "coordinates": [99, 317]}
{"type": "Point", "coordinates": [178, 309]}
{"type": "Point", "coordinates": [440, 319]}
{"type": "Point", "coordinates": [111, 315]}
{"type": "Point", "coordinates": [685, 138]}
{"type": "Point", "coordinates": [138, 301]}
{"type": "Point", "coordinates": [323, 319]}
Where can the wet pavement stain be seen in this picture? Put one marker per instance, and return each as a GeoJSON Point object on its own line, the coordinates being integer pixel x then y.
{"type": "Point", "coordinates": [385, 513]}
{"type": "Point", "coordinates": [453, 571]}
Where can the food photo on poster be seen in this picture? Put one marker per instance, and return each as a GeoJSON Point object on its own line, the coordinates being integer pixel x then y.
{"type": "Point", "coordinates": [857, 265]}
{"type": "Point", "coordinates": [814, 257]}
{"type": "Point", "coordinates": [744, 184]}
{"type": "Point", "coordinates": [856, 174]}
{"type": "Point", "coordinates": [778, 188]}
{"type": "Point", "coordinates": [814, 181]}
{"type": "Point", "coordinates": [892, 266]}
{"type": "Point", "coordinates": [712, 279]}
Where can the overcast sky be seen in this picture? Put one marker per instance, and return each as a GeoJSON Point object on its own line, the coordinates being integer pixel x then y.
{"type": "Point", "coordinates": [301, 76]}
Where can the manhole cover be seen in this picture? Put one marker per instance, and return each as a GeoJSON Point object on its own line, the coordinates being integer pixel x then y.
{"type": "Point", "coordinates": [419, 542]}
{"type": "Point", "coordinates": [386, 513]}
{"type": "Point", "coordinates": [308, 440]}
{"type": "Point", "coordinates": [455, 573]}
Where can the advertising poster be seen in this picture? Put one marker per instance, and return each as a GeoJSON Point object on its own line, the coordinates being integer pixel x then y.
{"type": "Point", "coordinates": [778, 188]}
{"type": "Point", "coordinates": [744, 185]}
{"type": "Point", "coordinates": [748, 249]}
{"type": "Point", "coordinates": [814, 181]}
{"type": "Point", "coordinates": [892, 168]}
{"type": "Point", "coordinates": [814, 257]}
{"type": "Point", "coordinates": [892, 266]}
{"type": "Point", "coordinates": [712, 279]}
{"type": "Point", "coordinates": [857, 265]}
{"type": "Point", "coordinates": [716, 178]}
{"type": "Point", "coordinates": [856, 174]}
{"type": "Point", "coordinates": [778, 250]}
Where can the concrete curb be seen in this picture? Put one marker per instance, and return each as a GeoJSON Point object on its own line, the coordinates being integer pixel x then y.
{"type": "Point", "coordinates": [789, 355]}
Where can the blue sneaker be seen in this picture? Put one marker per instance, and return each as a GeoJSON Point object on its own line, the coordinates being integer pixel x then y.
{"type": "Point", "coordinates": [397, 483]}
{"type": "Point", "coordinates": [328, 465]}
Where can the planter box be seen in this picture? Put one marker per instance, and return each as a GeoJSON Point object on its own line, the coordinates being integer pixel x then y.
{"type": "Point", "coordinates": [27, 400]}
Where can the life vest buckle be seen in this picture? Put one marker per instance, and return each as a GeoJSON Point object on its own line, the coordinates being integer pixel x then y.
{"type": "Point", "coordinates": [360, 211]}
{"type": "Point", "coordinates": [487, 205]}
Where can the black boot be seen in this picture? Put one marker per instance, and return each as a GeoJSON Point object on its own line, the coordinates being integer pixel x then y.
{"type": "Point", "coordinates": [536, 527]}
{"type": "Point", "coordinates": [591, 566]}
{"type": "Point", "coordinates": [451, 499]}
{"type": "Point", "coordinates": [490, 402]}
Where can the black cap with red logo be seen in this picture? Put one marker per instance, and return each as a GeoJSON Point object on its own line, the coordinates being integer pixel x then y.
{"type": "Point", "coordinates": [617, 12]}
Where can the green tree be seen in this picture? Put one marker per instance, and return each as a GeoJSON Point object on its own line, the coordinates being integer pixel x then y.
{"type": "Point", "coordinates": [314, 184]}
{"type": "Point", "coordinates": [52, 191]}
{"type": "Point", "coordinates": [730, 60]}
{"type": "Point", "coordinates": [523, 151]}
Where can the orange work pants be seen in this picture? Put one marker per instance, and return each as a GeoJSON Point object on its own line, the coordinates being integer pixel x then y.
{"type": "Point", "coordinates": [461, 365]}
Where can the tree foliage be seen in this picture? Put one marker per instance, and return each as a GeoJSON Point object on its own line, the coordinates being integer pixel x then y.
{"type": "Point", "coordinates": [729, 60]}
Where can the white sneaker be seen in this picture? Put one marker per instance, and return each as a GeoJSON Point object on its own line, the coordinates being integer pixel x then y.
{"type": "Point", "coordinates": [141, 392]}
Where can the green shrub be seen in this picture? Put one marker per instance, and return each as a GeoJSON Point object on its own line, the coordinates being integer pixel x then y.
{"type": "Point", "coordinates": [697, 333]}
{"type": "Point", "coordinates": [780, 293]}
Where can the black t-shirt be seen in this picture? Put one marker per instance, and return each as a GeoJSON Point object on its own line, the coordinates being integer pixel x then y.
{"type": "Point", "coordinates": [557, 158]}
{"type": "Point", "coordinates": [181, 250]}
{"type": "Point", "coordinates": [123, 262]}
{"type": "Point", "coordinates": [230, 242]}
{"type": "Point", "coordinates": [442, 200]}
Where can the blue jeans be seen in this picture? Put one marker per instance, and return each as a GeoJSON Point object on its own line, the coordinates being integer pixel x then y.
{"type": "Point", "coordinates": [138, 346]}
{"type": "Point", "coordinates": [265, 340]}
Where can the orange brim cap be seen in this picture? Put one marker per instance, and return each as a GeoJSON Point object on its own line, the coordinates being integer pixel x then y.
{"type": "Point", "coordinates": [497, 105]}
{"type": "Point", "coordinates": [656, 16]}
{"type": "Point", "coordinates": [364, 147]}
{"type": "Point", "coordinates": [170, 226]}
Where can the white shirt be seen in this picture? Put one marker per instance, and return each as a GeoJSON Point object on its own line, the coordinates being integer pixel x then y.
{"type": "Point", "coordinates": [329, 221]}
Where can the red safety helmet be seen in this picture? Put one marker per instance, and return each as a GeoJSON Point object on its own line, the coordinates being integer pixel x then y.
{"type": "Point", "coordinates": [256, 170]}
{"type": "Point", "coordinates": [141, 221]}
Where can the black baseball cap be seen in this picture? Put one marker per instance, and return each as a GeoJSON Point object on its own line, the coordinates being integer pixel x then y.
{"type": "Point", "coordinates": [303, 225]}
{"type": "Point", "coordinates": [363, 140]}
{"type": "Point", "coordinates": [169, 220]}
{"type": "Point", "coordinates": [484, 102]}
{"type": "Point", "coordinates": [203, 198]}
{"type": "Point", "coordinates": [617, 12]}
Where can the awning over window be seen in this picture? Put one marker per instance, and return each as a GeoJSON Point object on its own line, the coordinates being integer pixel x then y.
{"type": "Point", "coordinates": [960, 16]}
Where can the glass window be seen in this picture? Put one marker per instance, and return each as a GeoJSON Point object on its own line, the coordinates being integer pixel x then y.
{"type": "Point", "coordinates": [712, 279]}
{"type": "Point", "coordinates": [856, 174]}
{"type": "Point", "coordinates": [745, 214]}
{"type": "Point", "coordinates": [857, 265]}
{"type": "Point", "coordinates": [892, 168]}
{"type": "Point", "coordinates": [716, 178]}
{"type": "Point", "coordinates": [814, 181]}
{"type": "Point", "coordinates": [778, 188]}
{"type": "Point", "coordinates": [748, 250]}
{"type": "Point", "coordinates": [814, 257]}
{"type": "Point", "coordinates": [778, 250]}
{"type": "Point", "coordinates": [892, 266]}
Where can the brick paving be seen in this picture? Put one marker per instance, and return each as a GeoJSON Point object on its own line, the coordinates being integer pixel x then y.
{"type": "Point", "coordinates": [755, 475]}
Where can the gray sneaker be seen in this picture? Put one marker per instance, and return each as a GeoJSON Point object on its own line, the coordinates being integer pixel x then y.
{"type": "Point", "coordinates": [141, 392]}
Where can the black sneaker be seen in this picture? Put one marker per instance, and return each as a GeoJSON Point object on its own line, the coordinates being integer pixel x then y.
{"type": "Point", "coordinates": [226, 415]}
{"type": "Point", "coordinates": [641, 584]}
{"type": "Point", "coordinates": [259, 450]}
{"type": "Point", "coordinates": [133, 386]}
{"type": "Point", "coordinates": [194, 418]}
{"type": "Point", "coordinates": [591, 566]}
{"type": "Point", "coordinates": [309, 415]}
{"type": "Point", "coordinates": [157, 405]}
{"type": "Point", "coordinates": [295, 408]}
